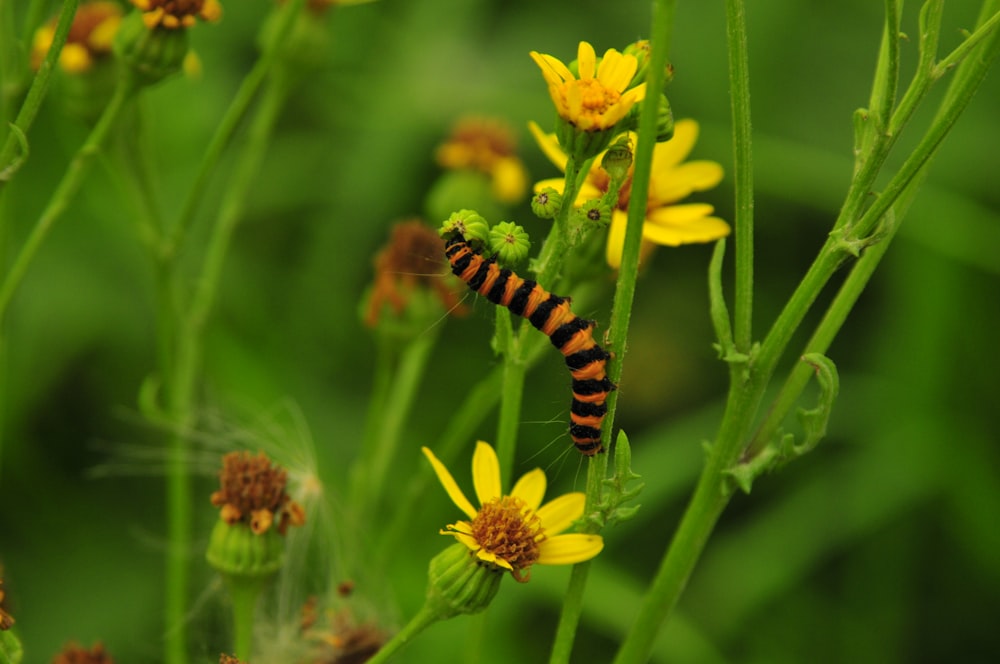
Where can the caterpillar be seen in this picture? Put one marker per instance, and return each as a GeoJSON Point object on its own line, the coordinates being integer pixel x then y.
{"type": "Point", "coordinates": [551, 315]}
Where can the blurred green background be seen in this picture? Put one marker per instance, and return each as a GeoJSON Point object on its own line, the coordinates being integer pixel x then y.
{"type": "Point", "coordinates": [883, 545]}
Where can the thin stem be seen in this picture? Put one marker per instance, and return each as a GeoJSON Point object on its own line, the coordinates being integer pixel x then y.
{"type": "Point", "coordinates": [423, 619]}
{"type": "Point", "coordinates": [65, 191]}
{"type": "Point", "coordinates": [230, 121]}
{"type": "Point", "coordinates": [244, 593]}
{"type": "Point", "coordinates": [182, 376]}
{"type": "Point", "coordinates": [511, 394]}
{"type": "Point", "coordinates": [739, 83]}
{"type": "Point", "coordinates": [40, 85]}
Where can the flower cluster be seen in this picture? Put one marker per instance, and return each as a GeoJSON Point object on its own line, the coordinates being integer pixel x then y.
{"type": "Point", "coordinates": [253, 492]}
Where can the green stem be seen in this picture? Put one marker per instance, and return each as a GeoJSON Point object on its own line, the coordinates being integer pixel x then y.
{"type": "Point", "coordinates": [662, 29]}
{"type": "Point", "coordinates": [65, 191]}
{"type": "Point", "coordinates": [40, 85]}
{"type": "Point", "coordinates": [511, 394]}
{"type": "Point", "coordinates": [187, 361]}
{"type": "Point", "coordinates": [739, 84]}
{"type": "Point", "coordinates": [244, 593]}
{"type": "Point", "coordinates": [230, 121]}
{"type": "Point", "coordinates": [423, 619]}
{"type": "Point", "coordinates": [411, 370]}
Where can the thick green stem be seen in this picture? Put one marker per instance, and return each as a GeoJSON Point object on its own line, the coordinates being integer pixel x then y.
{"type": "Point", "coordinates": [662, 29]}
{"type": "Point", "coordinates": [244, 593]}
{"type": "Point", "coordinates": [512, 394]}
{"type": "Point", "coordinates": [739, 84]}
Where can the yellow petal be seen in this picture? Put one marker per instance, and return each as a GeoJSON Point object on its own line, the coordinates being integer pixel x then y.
{"type": "Point", "coordinates": [553, 70]}
{"type": "Point", "coordinates": [556, 183]}
{"type": "Point", "coordinates": [549, 145]}
{"type": "Point", "coordinates": [485, 473]}
{"type": "Point", "coordinates": [492, 558]}
{"type": "Point", "coordinates": [510, 180]}
{"type": "Point", "coordinates": [557, 515]}
{"type": "Point", "coordinates": [530, 488]}
{"type": "Point", "coordinates": [676, 231]}
{"type": "Point", "coordinates": [569, 549]}
{"type": "Point", "coordinates": [676, 150]}
{"type": "Point", "coordinates": [586, 59]}
{"type": "Point", "coordinates": [449, 484]}
{"type": "Point", "coordinates": [616, 238]}
{"type": "Point", "coordinates": [680, 181]}
{"type": "Point", "coordinates": [616, 70]}
{"type": "Point", "coordinates": [468, 540]}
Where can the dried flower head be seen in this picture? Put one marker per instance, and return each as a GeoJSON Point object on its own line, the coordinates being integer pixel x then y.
{"type": "Point", "coordinates": [77, 654]}
{"type": "Point", "coordinates": [405, 265]}
{"type": "Point", "coordinates": [228, 659]}
{"type": "Point", "coordinates": [90, 37]}
{"type": "Point", "coordinates": [486, 145]}
{"type": "Point", "coordinates": [6, 620]}
{"type": "Point", "coordinates": [174, 14]}
{"type": "Point", "coordinates": [253, 492]}
{"type": "Point", "coordinates": [340, 639]}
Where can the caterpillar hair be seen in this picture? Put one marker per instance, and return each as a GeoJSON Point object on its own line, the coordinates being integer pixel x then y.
{"type": "Point", "coordinates": [551, 315]}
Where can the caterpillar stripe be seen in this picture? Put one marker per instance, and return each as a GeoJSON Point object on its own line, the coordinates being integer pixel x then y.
{"type": "Point", "coordinates": [550, 314]}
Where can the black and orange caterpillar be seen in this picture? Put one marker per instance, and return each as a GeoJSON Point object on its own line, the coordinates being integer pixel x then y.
{"type": "Point", "coordinates": [550, 314]}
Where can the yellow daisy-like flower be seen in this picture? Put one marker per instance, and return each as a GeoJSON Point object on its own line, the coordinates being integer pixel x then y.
{"type": "Point", "coordinates": [598, 99]}
{"type": "Point", "coordinates": [672, 179]}
{"type": "Point", "coordinates": [515, 531]}
{"type": "Point", "coordinates": [486, 145]}
{"type": "Point", "coordinates": [174, 14]}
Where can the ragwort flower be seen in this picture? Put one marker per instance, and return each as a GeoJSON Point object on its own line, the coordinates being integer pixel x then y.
{"type": "Point", "coordinates": [667, 222]}
{"type": "Point", "coordinates": [90, 37]}
{"type": "Point", "coordinates": [598, 99]}
{"type": "Point", "coordinates": [513, 532]}
{"type": "Point", "coordinates": [486, 145]}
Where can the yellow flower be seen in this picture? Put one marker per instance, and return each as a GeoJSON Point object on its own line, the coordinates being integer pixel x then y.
{"type": "Point", "coordinates": [173, 14]}
{"type": "Point", "coordinates": [598, 99]}
{"type": "Point", "coordinates": [512, 532]}
{"type": "Point", "coordinates": [486, 145]}
{"type": "Point", "coordinates": [671, 180]}
{"type": "Point", "coordinates": [90, 37]}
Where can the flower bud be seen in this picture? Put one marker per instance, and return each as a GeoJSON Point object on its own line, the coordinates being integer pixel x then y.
{"type": "Point", "coordinates": [458, 583]}
{"type": "Point", "coordinates": [595, 212]}
{"type": "Point", "coordinates": [640, 51]}
{"type": "Point", "coordinates": [664, 121]}
{"type": "Point", "coordinates": [467, 223]}
{"type": "Point", "coordinates": [546, 203]}
{"type": "Point", "coordinates": [510, 242]}
{"type": "Point", "coordinates": [618, 160]}
{"type": "Point", "coordinates": [150, 55]}
{"type": "Point", "coordinates": [236, 550]}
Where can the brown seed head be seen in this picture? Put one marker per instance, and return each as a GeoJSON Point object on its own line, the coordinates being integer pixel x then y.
{"type": "Point", "coordinates": [507, 529]}
{"type": "Point", "coordinates": [253, 491]}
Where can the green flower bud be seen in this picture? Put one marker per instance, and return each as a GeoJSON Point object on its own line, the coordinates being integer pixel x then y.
{"type": "Point", "coordinates": [150, 54]}
{"type": "Point", "coordinates": [458, 583]}
{"type": "Point", "coordinates": [467, 223]}
{"type": "Point", "coordinates": [639, 50]}
{"type": "Point", "coordinates": [510, 242]}
{"type": "Point", "coordinates": [618, 159]}
{"type": "Point", "coordinates": [546, 203]}
{"type": "Point", "coordinates": [664, 121]}
{"type": "Point", "coordinates": [10, 648]}
{"type": "Point", "coordinates": [595, 212]}
{"type": "Point", "coordinates": [236, 551]}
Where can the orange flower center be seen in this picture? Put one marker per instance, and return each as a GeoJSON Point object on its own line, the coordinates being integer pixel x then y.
{"type": "Point", "coordinates": [596, 99]}
{"type": "Point", "coordinates": [506, 528]}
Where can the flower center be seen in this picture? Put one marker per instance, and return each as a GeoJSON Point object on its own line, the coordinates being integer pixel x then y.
{"type": "Point", "coordinates": [595, 97]}
{"type": "Point", "coordinates": [506, 528]}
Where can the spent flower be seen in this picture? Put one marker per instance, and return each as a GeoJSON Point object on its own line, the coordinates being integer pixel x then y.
{"type": "Point", "coordinates": [515, 531]}
{"type": "Point", "coordinates": [174, 14]}
{"type": "Point", "coordinates": [668, 222]}
{"type": "Point", "coordinates": [74, 653]}
{"type": "Point", "coordinates": [90, 37]}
